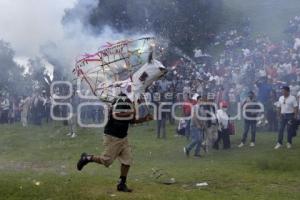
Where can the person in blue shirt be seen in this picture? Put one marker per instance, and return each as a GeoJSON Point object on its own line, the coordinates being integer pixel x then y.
{"type": "Point", "coordinates": [264, 90]}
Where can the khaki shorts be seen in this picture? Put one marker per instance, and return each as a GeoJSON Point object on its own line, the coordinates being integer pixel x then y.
{"type": "Point", "coordinates": [116, 148]}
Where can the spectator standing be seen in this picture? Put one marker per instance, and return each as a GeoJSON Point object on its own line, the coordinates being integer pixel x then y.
{"type": "Point", "coordinates": [223, 131]}
{"type": "Point", "coordinates": [37, 109]}
{"type": "Point", "coordinates": [288, 111]}
{"type": "Point", "coordinates": [24, 106]}
{"type": "Point", "coordinates": [46, 106]}
{"type": "Point", "coordinates": [232, 96]}
{"type": "Point", "coordinates": [271, 112]}
{"type": "Point", "coordinates": [250, 119]}
{"type": "Point", "coordinates": [72, 122]}
{"type": "Point", "coordinates": [161, 116]}
{"type": "Point", "coordinates": [187, 109]}
{"type": "Point", "coordinates": [197, 127]}
{"type": "Point", "coordinates": [211, 123]}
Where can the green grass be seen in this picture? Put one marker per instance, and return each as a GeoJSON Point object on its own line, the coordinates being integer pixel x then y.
{"type": "Point", "coordinates": [46, 155]}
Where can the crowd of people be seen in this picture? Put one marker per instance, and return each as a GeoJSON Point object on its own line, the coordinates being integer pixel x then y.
{"type": "Point", "coordinates": [249, 69]}
{"type": "Point", "coordinates": [25, 109]}
{"type": "Point", "coordinates": [36, 110]}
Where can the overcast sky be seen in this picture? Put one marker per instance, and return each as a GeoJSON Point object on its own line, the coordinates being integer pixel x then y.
{"type": "Point", "coordinates": [27, 24]}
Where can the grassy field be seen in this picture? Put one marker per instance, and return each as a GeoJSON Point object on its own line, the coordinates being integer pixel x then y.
{"type": "Point", "coordinates": [39, 163]}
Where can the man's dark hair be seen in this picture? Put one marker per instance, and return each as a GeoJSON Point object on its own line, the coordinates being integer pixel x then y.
{"type": "Point", "coordinates": [286, 88]}
{"type": "Point", "coordinates": [251, 93]}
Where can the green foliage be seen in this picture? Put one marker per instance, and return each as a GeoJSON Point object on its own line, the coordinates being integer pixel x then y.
{"type": "Point", "coordinates": [13, 79]}
{"type": "Point", "coordinates": [11, 76]}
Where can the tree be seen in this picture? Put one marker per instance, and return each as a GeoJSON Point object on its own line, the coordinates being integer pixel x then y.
{"type": "Point", "coordinates": [187, 24]}
{"type": "Point", "coordinates": [12, 80]}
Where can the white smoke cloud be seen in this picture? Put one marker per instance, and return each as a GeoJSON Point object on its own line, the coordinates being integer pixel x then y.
{"type": "Point", "coordinates": [27, 24]}
{"type": "Point", "coordinates": [40, 28]}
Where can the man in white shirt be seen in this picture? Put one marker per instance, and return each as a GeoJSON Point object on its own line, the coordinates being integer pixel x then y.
{"type": "Point", "coordinates": [288, 110]}
{"type": "Point", "coordinates": [223, 132]}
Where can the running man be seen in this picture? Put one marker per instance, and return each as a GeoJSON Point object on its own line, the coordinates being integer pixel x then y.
{"type": "Point", "coordinates": [115, 140]}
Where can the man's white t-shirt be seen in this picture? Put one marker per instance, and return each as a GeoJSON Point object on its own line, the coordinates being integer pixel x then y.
{"type": "Point", "coordinates": [222, 118]}
{"type": "Point", "coordinates": [288, 104]}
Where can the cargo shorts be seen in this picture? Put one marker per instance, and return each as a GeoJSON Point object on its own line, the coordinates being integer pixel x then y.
{"type": "Point", "coordinates": [116, 148]}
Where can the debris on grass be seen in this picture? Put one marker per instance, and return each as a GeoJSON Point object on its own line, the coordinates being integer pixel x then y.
{"type": "Point", "coordinates": [163, 177]}
{"type": "Point", "coordinates": [193, 185]}
{"type": "Point", "coordinates": [169, 181]}
{"type": "Point", "coordinates": [203, 184]}
{"type": "Point", "coordinates": [37, 183]}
